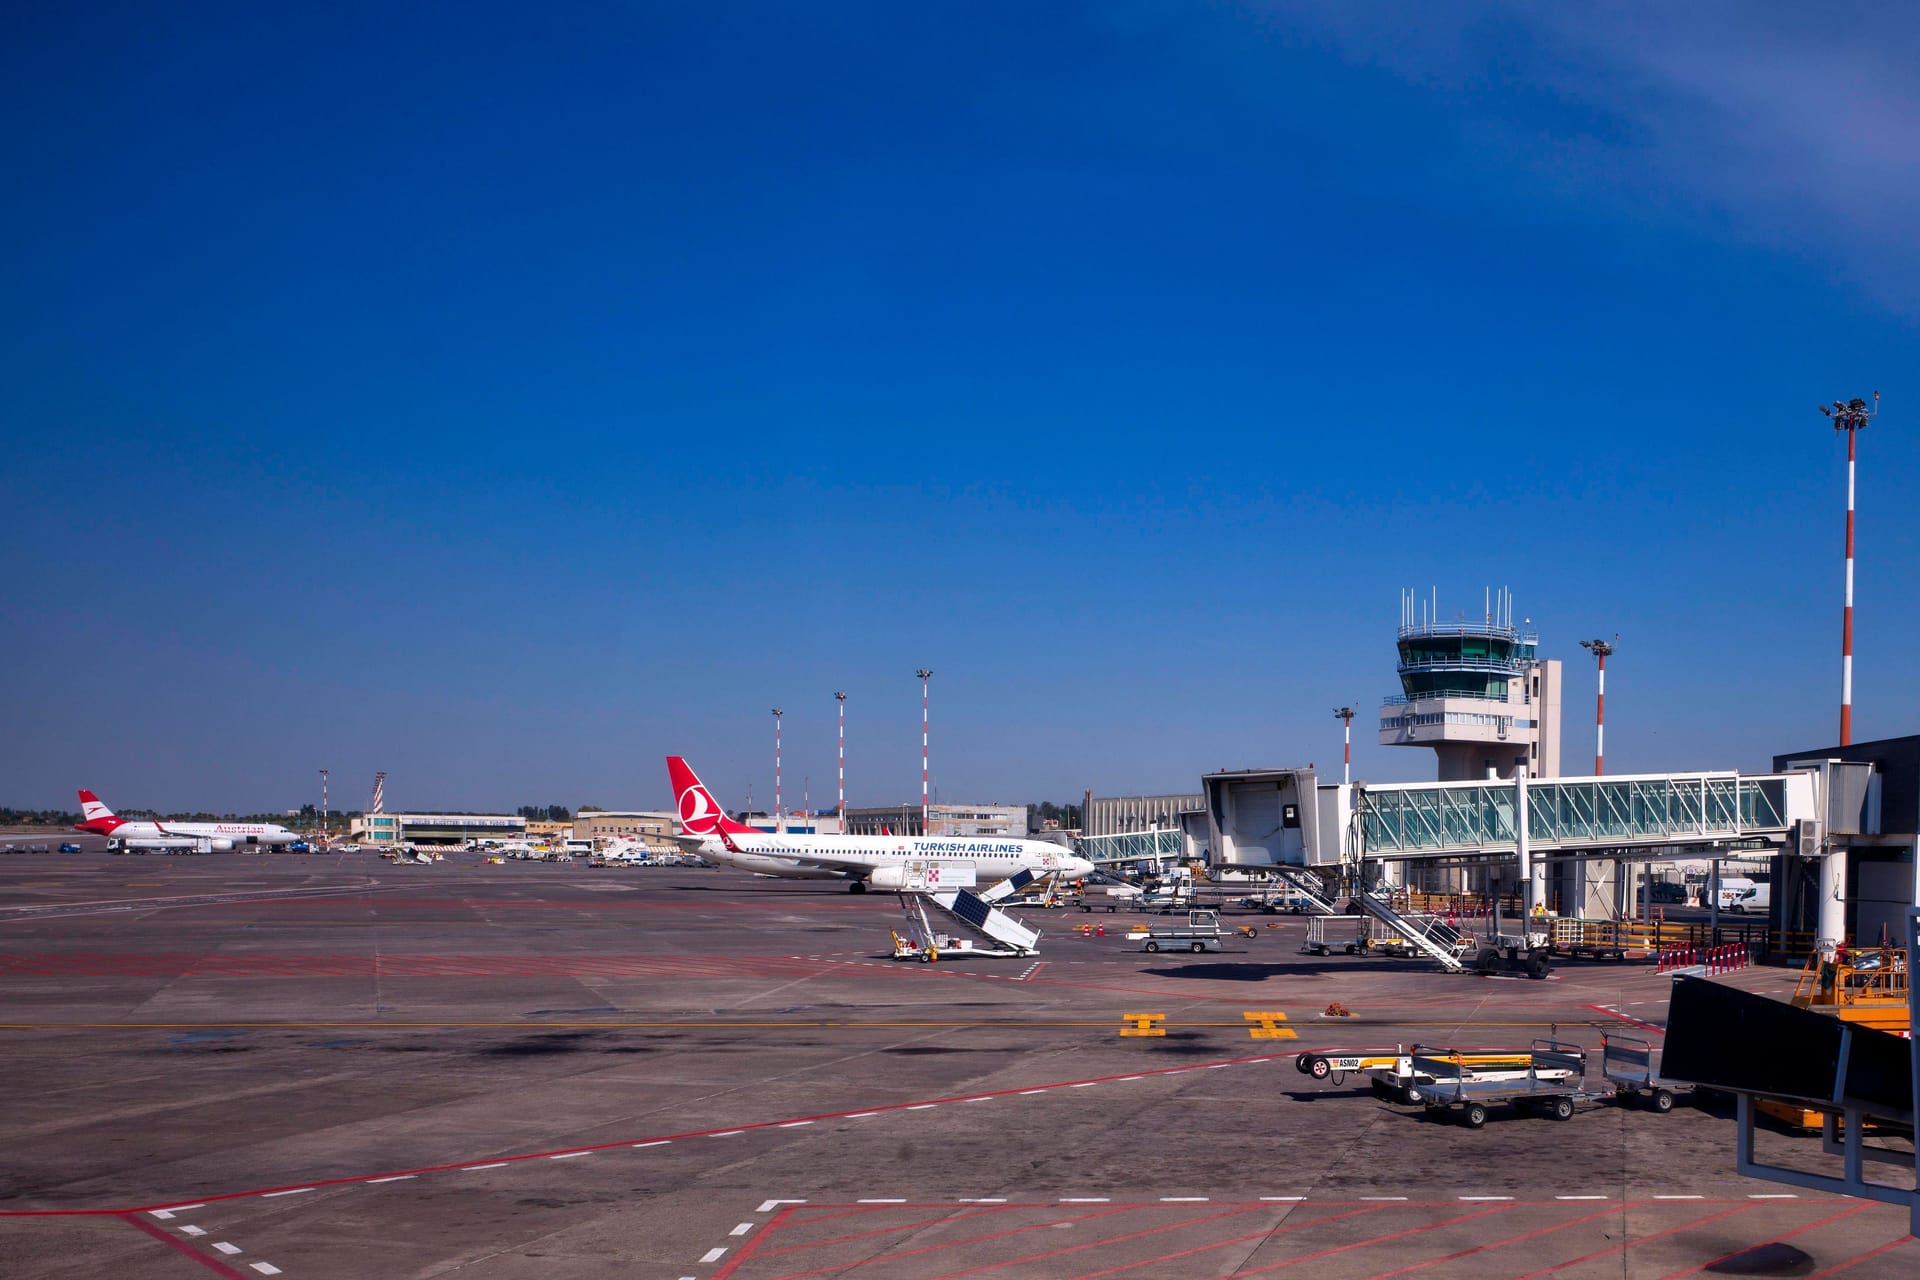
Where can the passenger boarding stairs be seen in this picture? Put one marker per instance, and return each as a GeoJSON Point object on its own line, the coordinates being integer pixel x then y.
{"type": "Point", "coordinates": [974, 925]}
{"type": "Point", "coordinates": [1436, 939]}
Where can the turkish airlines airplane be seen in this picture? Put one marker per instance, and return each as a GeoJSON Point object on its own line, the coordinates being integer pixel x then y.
{"type": "Point", "coordinates": [880, 861]}
{"type": "Point", "coordinates": [200, 836]}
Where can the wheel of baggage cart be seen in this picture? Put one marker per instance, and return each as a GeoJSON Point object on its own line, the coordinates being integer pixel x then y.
{"type": "Point", "coordinates": [1197, 947]}
{"type": "Point", "coordinates": [1152, 945]}
{"type": "Point", "coordinates": [1476, 1115]}
{"type": "Point", "coordinates": [1537, 967]}
{"type": "Point", "coordinates": [1562, 1108]}
{"type": "Point", "coordinates": [1350, 948]}
{"type": "Point", "coordinates": [1487, 961]}
{"type": "Point", "coordinates": [1411, 1095]}
{"type": "Point", "coordinates": [1318, 1067]}
{"type": "Point", "coordinates": [929, 955]}
{"type": "Point", "coordinates": [1300, 1062]}
{"type": "Point", "coordinates": [1663, 1100]}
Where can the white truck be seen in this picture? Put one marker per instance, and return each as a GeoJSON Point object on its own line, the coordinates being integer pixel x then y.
{"type": "Point", "coordinates": [1201, 932]}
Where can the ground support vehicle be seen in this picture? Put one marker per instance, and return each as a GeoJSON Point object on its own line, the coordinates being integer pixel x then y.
{"type": "Point", "coordinates": [1201, 932]}
{"type": "Point", "coordinates": [1328, 934]}
{"type": "Point", "coordinates": [1553, 1081]}
{"type": "Point", "coordinates": [1391, 1070]}
{"type": "Point", "coordinates": [1627, 1065]}
{"type": "Point", "coordinates": [1399, 940]}
{"type": "Point", "coordinates": [1526, 953]}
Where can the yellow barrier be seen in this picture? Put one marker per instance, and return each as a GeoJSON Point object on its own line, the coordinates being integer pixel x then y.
{"type": "Point", "coordinates": [1144, 1024]}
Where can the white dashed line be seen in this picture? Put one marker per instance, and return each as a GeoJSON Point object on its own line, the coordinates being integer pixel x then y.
{"type": "Point", "coordinates": [192, 1230]}
{"type": "Point", "coordinates": [741, 1230]}
{"type": "Point", "coordinates": [796, 1124]}
{"type": "Point", "coordinates": [860, 1115]}
{"type": "Point", "coordinates": [1183, 1199]}
{"type": "Point", "coordinates": [774, 1204]}
{"type": "Point", "coordinates": [224, 1247]}
{"type": "Point", "coordinates": [398, 1177]}
{"type": "Point", "coordinates": [1785, 1195]}
{"type": "Point", "coordinates": [880, 1202]}
{"type": "Point", "coordinates": [1085, 1200]}
{"type": "Point", "coordinates": [714, 1255]}
{"type": "Point", "coordinates": [161, 1213]}
{"type": "Point", "coordinates": [983, 1200]}
{"type": "Point", "coordinates": [1125, 1079]}
{"type": "Point", "coordinates": [923, 1106]}
{"type": "Point", "coordinates": [1027, 1093]}
{"type": "Point", "coordinates": [1383, 1197]}
{"type": "Point", "coordinates": [570, 1155]}
{"type": "Point", "coordinates": [265, 1268]}
{"type": "Point", "coordinates": [268, 1195]}
{"type": "Point", "coordinates": [1581, 1197]}
{"type": "Point", "coordinates": [731, 1133]}
{"type": "Point", "coordinates": [1679, 1197]}
{"type": "Point", "coordinates": [470, 1168]}
{"type": "Point", "coordinates": [1215, 1066]}
{"type": "Point", "coordinates": [1084, 1084]}
{"type": "Point", "coordinates": [984, 1098]}
{"type": "Point", "coordinates": [1485, 1197]}
{"type": "Point", "coordinates": [1288, 1198]}
{"type": "Point", "coordinates": [658, 1142]}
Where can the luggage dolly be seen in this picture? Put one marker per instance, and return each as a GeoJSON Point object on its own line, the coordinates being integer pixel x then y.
{"type": "Point", "coordinates": [1628, 1066]}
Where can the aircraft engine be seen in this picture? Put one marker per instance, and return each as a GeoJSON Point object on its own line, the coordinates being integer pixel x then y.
{"type": "Point", "coordinates": [220, 846]}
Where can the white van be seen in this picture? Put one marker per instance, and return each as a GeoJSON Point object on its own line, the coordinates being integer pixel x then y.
{"type": "Point", "coordinates": [1755, 897]}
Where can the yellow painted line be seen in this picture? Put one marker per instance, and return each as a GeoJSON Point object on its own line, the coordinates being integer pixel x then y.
{"type": "Point", "coordinates": [1267, 1026]}
{"type": "Point", "coordinates": [1138, 1027]}
{"type": "Point", "coordinates": [1144, 1024]}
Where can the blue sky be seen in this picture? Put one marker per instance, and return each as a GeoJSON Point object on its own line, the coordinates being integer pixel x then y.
{"type": "Point", "coordinates": [507, 398]}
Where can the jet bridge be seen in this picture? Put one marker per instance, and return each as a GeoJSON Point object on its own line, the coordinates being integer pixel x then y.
{"type": "Point", "coordinates": [973, 924]}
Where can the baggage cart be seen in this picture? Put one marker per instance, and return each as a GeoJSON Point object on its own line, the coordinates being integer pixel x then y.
{"type": "Point", "coordinates": [1328, 934]}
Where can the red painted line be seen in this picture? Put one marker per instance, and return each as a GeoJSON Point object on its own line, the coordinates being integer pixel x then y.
{"type": "Point", "coordinates": [747, 1250]}
{"type": "Point", "coordinates": [1844, 1213]}
{"type": "Point", "coordinates": [1362, 1244]}
{"type": "Point", "coordinates": [1527, 1235]}
{"type": "Point", "coordinates": [957, 1244]}
{"type": "Point", "coordinates": [218, 1268]}
{"type": "Point", "coordinates": [1857, 1259]}
{"type": "Point", "coordinates": [1629, 1020]}
{"type": "Point", "coordinates": [1221, 1244]}
{"type": "Point", "coordinates": [1607, 1253]}
{"type": "Point", "coordinates": [624, 1142]}
{"type": "Point", "coordinates": [1095, 1244]}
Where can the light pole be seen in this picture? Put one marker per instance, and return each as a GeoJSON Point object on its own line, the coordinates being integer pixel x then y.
{"type": "Point", "coordinates": [324, 834]}
{"type": "Point", "coordinates": [925, 674]}
{"type": "Point", "coordinates": [777, 824]}
{"type": "Point", "coordinates": [1600, 649]}
{"type": "Point", "coordinates": [1850, 417]}
{"type": "Point", "coordinates": [841, 698]}
{"type": "Point", "coordinates": [1345, 715]}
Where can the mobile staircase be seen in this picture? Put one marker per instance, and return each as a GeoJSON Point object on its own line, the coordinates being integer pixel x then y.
{"type": "Point", "coordinates": [1434, 938]}
{"type": "Point", "coordinates": [973, 925]}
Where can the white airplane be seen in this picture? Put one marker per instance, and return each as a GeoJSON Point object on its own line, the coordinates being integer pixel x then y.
{"type": "Point", "coordinates": [202, 837]}
{"type": "Point", "coordinates": [880, 861]}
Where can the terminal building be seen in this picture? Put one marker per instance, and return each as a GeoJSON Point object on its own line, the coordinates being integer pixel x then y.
{"type": "Point", "coordinates": [650, 827]}
{"type": "Point", "coordinates": [436, 828]}
{"type": "Point", "coordinates": [942, 820]}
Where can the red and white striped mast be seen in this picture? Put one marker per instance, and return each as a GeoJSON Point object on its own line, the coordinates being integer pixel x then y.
{"type": "Point", "coordinates": [1850, 417]}
{"type": "Point", "coordinates": [925, 674]}
{"type": "Point", "coordinates": [1600, 649]}
{"type": "Point", "coordinates": [777, 824]}
{"type": "Point", "coordinates": [1346, 714]}
{"type": "Point", "coordinates": [325, 835]}
{"type": "Point", "coordinates": [841, 698]}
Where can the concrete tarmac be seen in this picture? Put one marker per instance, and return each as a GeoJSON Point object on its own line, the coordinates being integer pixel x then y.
{"type": "Point", "coordinates": [320, 1066]}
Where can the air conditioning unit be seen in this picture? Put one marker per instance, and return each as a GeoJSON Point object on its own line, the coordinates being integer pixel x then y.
{"type": "Point", "coordinates": [1809, 838]}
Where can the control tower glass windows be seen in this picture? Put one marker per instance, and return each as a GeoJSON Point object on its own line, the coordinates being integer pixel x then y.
{"type": "Point", "coordinates": [1462, 660]}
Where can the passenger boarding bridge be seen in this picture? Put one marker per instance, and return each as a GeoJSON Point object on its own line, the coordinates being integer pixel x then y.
{"type": "Point", "coordinates": [1661, 813]}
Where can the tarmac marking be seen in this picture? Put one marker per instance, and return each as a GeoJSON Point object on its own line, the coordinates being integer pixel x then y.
{"type": "Point", "coordinates": [291, 1192]}
{"type": "Point", "coordinates": [775, 1204]}
{"type": "Point", "coordinates": [657, 1142]}
{"type": "Point", "coordinates": [1392, 1235]}
{"type": "Point", "coordinates": [1184, 1199]}
{"type": "Point", "coordinates": [726, 1133]}
{"type": "Point", "coordinates": [796, 1124]}
{"type": "Point", "coordinates": [879, 1201]}
{"type": "Point", "coordinates": [1086, 1200]}
{"type": "Point", "coordinates": [570, 1155]}
{"type": "Point", "coordinates": [924, 1106]}
{"type": "Point", "coordinates": [228, 1249]}
{"type": "Point", "coordinates": [1581, 1197]}
{"type": "Point", "coordinates": [182, 1247]}
{"type": "Point", "coordinates": [474, 1168]}
{"type": "Point", "coordinates": [1774, 1195]}
{"type": "Point", "coordinates": [265, 1268]}
{"type": "Point", "coordinates": [862, 1115]}
{"type": "Point", "coordinates": [742, 1229]}
{"type": "Point", "coordinates": [1685, 1197]}
{"type": "Point", "coordinates": [398, 1177]}
{"type": "Point", "coordinates": [1493, 1244]}
{"type": "Point", "coordinates": [714, 1255]}
{"type": "Point", "coordinates": [1484, 1197]}
{"type": "Point", "coordinates": [1639, 1240]}
{"type": "Point", "coordinates": [1857, 1259]}
{"type": "Point", "coordinates": [1786, 1235]}
{"type": "Point", "coordinates": [192, 1230]}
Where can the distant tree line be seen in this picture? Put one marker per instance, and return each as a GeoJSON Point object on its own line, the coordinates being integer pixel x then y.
{"type": "Point", "coordinates": [1067, 815]}
{"type": "Point", "coordinates": [545, 813]}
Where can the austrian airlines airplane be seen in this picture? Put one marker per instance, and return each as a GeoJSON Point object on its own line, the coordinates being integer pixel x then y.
{"type": "Point", "coordinates": [202, 836]}
{"type": "Point", "coordinates": [880, 861]}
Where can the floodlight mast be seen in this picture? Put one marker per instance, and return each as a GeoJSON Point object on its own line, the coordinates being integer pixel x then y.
{"type": "Point", "coordinates": [778, 824]}
{"type": "Point", "coordinates": [841, 698]}
{"type": "Point", "coordinates": [1346, 714]}
{"type": "Point", "coordinates": [925, 674]}
{"type": "Point", "coordinates": [1600, 649]}
{"type": "Point", "coordinates": [1850, 416]}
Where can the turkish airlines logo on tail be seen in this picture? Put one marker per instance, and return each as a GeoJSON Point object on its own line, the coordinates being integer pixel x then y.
{"type": "Point", "coordinates": [699, 815]}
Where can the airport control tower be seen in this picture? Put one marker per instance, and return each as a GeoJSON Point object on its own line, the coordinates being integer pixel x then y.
{"type": "Point", "coordinates": [1473, 691]}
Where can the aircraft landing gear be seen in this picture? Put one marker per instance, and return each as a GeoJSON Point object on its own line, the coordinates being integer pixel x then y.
{"type": "Point", "coordinates": [858, 886]}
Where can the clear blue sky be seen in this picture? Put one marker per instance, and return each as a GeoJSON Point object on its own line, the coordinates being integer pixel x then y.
{"type": "Point", "coordinates": [507, 397]}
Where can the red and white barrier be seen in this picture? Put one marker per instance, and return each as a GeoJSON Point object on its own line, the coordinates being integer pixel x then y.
{"type": "Point", "coordinates": [1711, 960]}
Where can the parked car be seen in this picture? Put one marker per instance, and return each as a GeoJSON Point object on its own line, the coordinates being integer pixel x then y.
{"type": "Point", "coordinates": [69, 848]}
